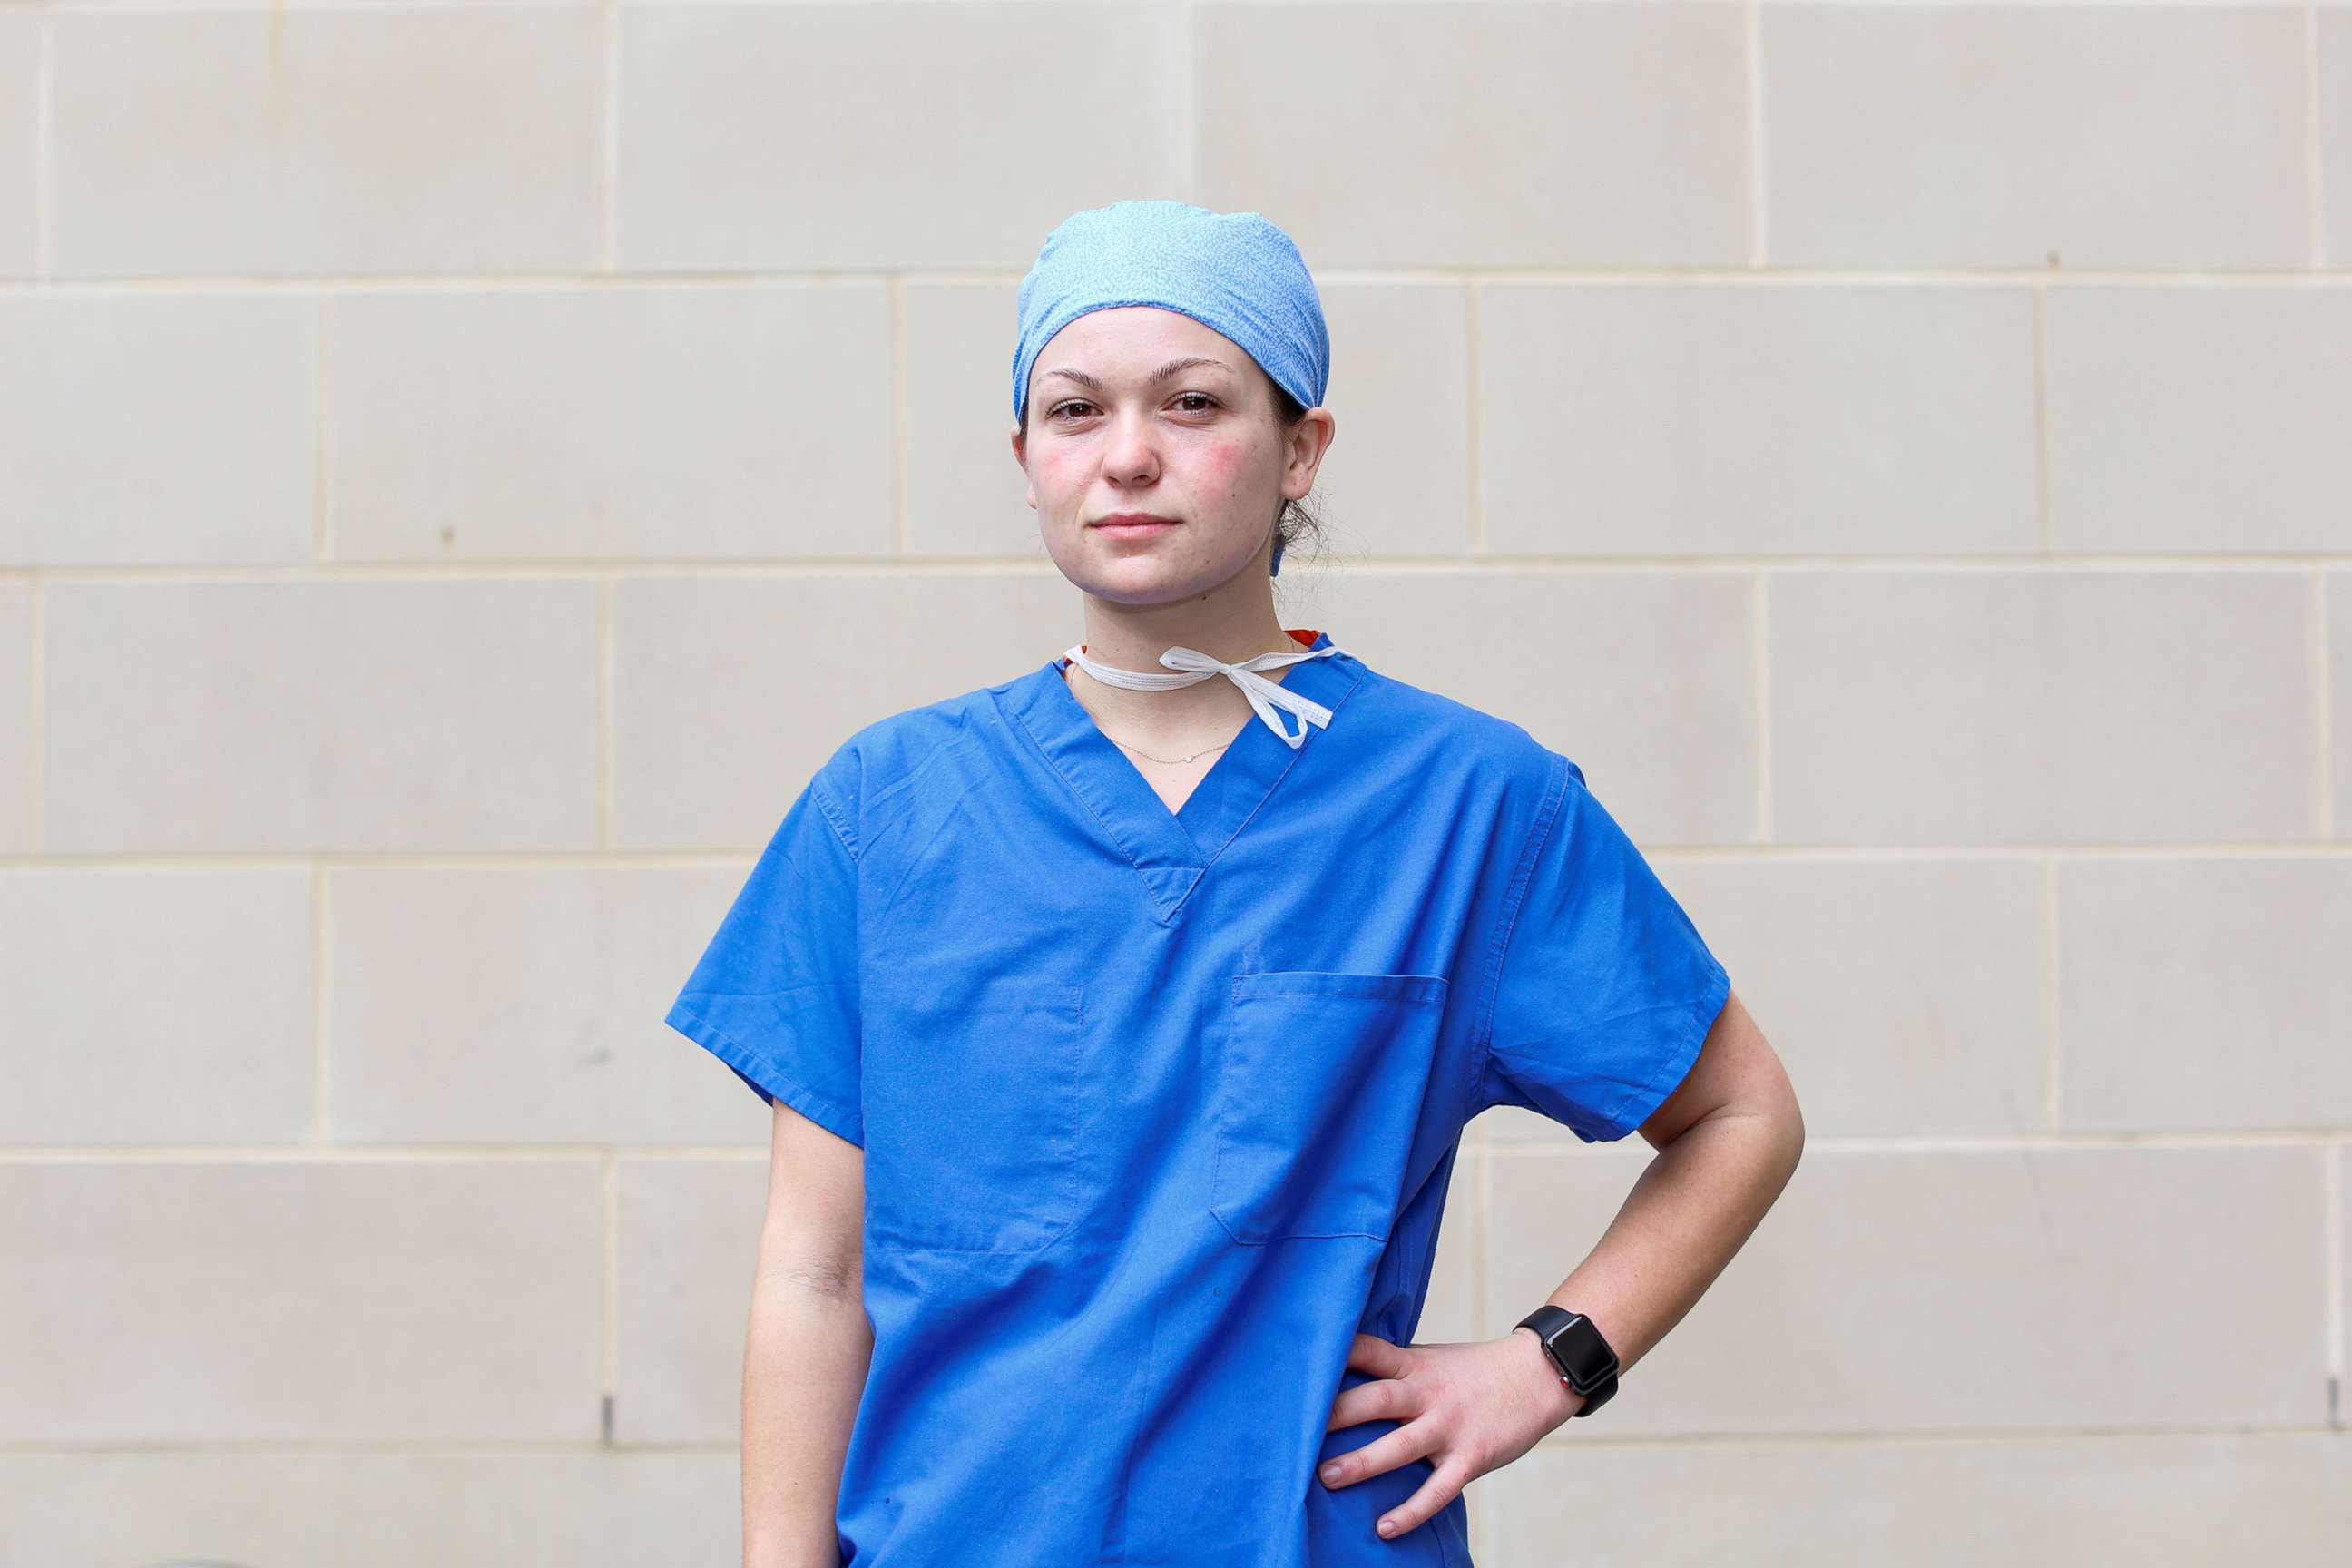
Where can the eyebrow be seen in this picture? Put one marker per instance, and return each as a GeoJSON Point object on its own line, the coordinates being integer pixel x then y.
{"type": "Point", "coordinates": [1172, 368]}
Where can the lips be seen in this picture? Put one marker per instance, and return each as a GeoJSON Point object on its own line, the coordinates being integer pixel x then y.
{"type": "Point", "coordinates": [1132, 525]}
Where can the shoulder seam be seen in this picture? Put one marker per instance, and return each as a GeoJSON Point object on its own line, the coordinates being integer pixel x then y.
{"type": "Point", "coordinates": [833, 818]}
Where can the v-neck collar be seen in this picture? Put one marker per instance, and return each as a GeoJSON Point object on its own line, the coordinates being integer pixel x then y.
{"type": "Point", "coordinates": [1171, 850]}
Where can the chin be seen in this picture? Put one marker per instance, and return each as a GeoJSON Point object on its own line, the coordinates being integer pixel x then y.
{"type": "Point", "coordinates": [1144, 578]}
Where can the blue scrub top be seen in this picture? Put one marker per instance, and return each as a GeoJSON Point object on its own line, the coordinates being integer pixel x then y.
{"type": "Point", "coordinates": [1159, 1110]}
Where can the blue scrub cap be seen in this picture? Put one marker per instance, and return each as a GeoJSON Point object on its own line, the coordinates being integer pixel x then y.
{"type": "Point", "coordinates": [1235, 272]}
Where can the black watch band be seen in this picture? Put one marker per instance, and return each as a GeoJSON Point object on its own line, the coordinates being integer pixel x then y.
{"type": "Point", "coordinates": [1583, 1358]}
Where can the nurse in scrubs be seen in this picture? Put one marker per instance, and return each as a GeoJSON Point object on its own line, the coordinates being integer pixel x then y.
{"type": "Point", "coordinates": [1120, 1018]}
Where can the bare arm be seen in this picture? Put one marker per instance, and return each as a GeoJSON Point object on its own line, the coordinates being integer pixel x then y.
{"type": "Point", "coordinates": [807, 1349]}
{"type": "Point", "coordinates": [1728, 1139]}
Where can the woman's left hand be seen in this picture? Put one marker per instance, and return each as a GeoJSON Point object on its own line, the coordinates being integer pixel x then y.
{"type": "Point", "coordinates": [1469, 1408]}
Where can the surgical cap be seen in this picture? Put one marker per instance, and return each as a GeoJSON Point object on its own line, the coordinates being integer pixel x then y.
{"type": "Point", "coordinates": [1235, 272]}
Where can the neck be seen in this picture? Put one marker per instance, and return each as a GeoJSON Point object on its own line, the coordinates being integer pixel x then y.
{"type": "Point", "coordinates": [1186, 717]}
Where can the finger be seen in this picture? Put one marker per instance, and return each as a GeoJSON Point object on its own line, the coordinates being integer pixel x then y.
{"type": "Point", "coordinates": [1444, 1485]}
{"type": "Point", "coordinates": [1378, 1356]}
{"type": "Point", "coordinates": [1370, 1401]}
{"type": "Point", "coordinates": [1415, 1440]}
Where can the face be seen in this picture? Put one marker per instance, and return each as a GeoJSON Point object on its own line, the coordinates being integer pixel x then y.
{"type": "Point", "coordinates": [1198, 445]}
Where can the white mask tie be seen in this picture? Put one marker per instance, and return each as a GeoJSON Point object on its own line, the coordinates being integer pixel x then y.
{"type": "Point", "coordinates": [1265, 696]}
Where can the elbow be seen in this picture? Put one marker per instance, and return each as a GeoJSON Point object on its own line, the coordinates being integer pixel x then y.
{"type": "Point", "coordinates": [821, 1262]}
{"type": "Point", "coordinates": [1791, 1122]}
{"type": "Point", "coordinates": [826, 1277]}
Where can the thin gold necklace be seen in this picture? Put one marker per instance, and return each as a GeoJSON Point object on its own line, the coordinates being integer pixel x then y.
{"type": "Point", "coordinates": [1140, 752]}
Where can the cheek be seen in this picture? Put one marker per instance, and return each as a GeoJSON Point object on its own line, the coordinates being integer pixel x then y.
{"type": "Point", "coordinates": [1221, 464]}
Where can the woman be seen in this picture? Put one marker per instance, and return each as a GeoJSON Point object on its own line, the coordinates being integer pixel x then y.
{"type": "Point", "coordinates": [1121, 1020]}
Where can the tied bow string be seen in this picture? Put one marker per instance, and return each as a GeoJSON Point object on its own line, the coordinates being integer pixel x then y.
{"type": "Point", "coordinates": [1269, 697]}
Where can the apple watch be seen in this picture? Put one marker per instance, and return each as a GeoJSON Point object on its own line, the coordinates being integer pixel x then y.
{"type": "Point", "coordinates": [1583, 1358]}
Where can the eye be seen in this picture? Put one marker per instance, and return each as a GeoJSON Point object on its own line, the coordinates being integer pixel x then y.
{"type": "Point", "coordinates": [1059, 408]}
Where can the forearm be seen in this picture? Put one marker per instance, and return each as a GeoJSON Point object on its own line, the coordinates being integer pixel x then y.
{"type": "Point", "coordinates": [1694, 1205]}
{"type": "Point", "coordinates": [805, 1356]}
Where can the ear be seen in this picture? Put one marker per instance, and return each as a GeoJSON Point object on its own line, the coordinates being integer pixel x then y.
{"type": "Point", "coordinates": [1308, 444]}
{"type": "Point", "coordinates": [1021, 455]}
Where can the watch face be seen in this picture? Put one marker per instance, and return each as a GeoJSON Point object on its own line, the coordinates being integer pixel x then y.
{"type": "Point", "coordinates": [1585, 1354]}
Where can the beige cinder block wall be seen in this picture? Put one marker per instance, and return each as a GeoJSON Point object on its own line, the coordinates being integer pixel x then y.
{"type": "Point", "coordinates": [462, 467]}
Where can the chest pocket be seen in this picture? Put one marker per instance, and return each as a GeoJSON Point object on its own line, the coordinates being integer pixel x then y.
{"type": "Point", "coordinates": [1320, 1080]}
{"type": "Point", "coordinates": [972, 1115]}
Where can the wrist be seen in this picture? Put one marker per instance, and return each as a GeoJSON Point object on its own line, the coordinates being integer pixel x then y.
{"type": "Point", "coordinates": [1579, 1353]}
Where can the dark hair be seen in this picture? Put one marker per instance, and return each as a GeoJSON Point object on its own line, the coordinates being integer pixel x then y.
{"type": "Point", "coordinates": [1298, 522]}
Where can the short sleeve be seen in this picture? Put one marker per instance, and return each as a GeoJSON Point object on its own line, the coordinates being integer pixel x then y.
{"type": "Point", "coordinates": [1605, 991]}
{"type": "Point", "coordinates": [774, 996]}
